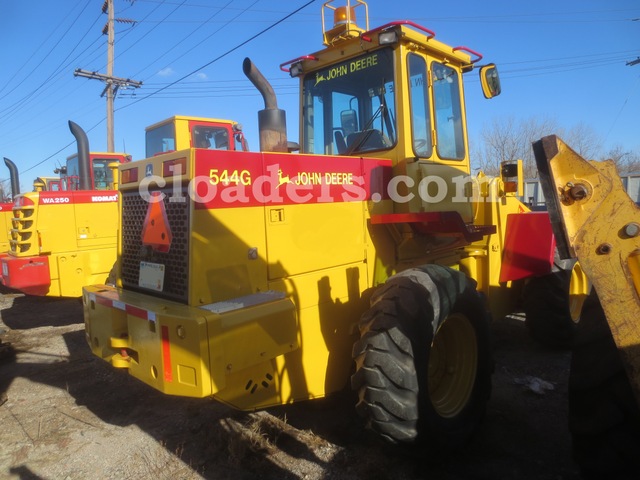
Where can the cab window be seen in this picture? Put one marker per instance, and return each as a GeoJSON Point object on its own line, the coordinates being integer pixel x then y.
{"type": "Point", "coordinates": [160, 139]}
{"type": "Point", "coordinates": [73, 174]}
{"type": "Point", "coordinates": [240, 142]}
{"type": "Point", "coordinates": [349, 107]}
{"type": "Point", "coordinates": [448, 112]}
{"type": "Point", "coordinates": [420, 111]}
{"type": "Point", "coordinates": [102, 174]}
{"type": "Point", "coordinates": [211, 138]}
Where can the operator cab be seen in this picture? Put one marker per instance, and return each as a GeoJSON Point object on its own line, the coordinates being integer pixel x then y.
{"type": "Point", "coordinates": [180, 132]}
{"type": "Point", "coordinates": [49, 184]}
{"type": "Point", "coordinates": [101, 174]}
{"type": "Point", "coordinates": [393, 90]}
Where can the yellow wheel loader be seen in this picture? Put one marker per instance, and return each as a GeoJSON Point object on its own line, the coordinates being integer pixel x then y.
{"type": "Point", "coordinates": [63, 236]}
{"type": "Point", "coordinates": [364, 256]}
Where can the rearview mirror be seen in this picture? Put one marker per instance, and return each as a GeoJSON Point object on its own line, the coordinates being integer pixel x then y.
{"type": "Point", "coordinates": [490, 81]}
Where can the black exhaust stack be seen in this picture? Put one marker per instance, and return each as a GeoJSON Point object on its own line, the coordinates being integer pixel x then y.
{"type": "Point", "coordinates": [15, 178]}
{"type": "Point", "coordinates": [84, 166]}
{"type": "Point", "coordinates": [272, 122]}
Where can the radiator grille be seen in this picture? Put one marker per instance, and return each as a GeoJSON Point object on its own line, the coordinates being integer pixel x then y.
{"type": "Point", "coordinates": [176, 260]}
{"type": "Point", "coordinates": [22, 230]}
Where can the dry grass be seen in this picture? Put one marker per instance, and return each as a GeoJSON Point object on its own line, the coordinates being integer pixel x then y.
{"type": "Point", "coordinates": [264, 434]}
{"type": "Point", "coordinates": [159, 463]}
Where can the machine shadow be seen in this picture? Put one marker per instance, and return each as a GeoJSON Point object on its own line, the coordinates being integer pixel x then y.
{"type": "Point", "coordinates": [217, 441]}
{"type": "Point", "coordinates": [28, 312]}
{"type": "Point", "coordinates": [214, 440]}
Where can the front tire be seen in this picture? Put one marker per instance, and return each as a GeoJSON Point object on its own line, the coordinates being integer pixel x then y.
{"type": "Point", "coordinates": [604, 417]}
{"type": "Point", "coordinates": [423, 362]}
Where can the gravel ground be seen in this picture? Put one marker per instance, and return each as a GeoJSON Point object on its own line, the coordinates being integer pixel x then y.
{"type": "Point", "coordinates": [67, 415]}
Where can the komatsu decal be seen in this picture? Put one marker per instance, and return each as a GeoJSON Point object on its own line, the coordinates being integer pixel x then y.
{"type": "Point", "coordinates": [74, 197]}
{"type": "Point", "coordinates": [104, 198]}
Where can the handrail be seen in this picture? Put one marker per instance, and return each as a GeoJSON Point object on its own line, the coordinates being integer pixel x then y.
{"type": "Point", "coordinates": [430, 33]}
{"type": "Point", "coordinates": [468, 50]}
{"type": "Point", "coordinates": [290, 62]}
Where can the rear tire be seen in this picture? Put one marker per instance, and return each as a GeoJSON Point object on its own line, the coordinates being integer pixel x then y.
{"type": "Point", "coordinates": [423, 362]}
{"type": "Point", "coordinates": [604, 417]}
{"type": "Point", "coordinates": [547, 309]}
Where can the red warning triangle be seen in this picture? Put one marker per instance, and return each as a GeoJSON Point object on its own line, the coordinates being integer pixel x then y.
{"type": "Point", "coordinates": [156, 232]}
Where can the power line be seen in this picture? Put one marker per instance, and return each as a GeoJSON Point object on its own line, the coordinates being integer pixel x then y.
{"type": "Point", "coordinates": [624, 104]}
{"type": "Point", "coordinates": [112, 83]}
{"type": "Point", "coordinates": [212, 86]}
{"type": "Point", "coordinates": [152, 29]}
{"type": "Point", "coordinates": [563, 67]}
{"type": "Point", "coordinates": [48, 85]}
{"type": "Point", "coordinates": [26, 97]}
{"type": "Point", "coordinates": [231, 50]}
{"type": "Point", "coordinates": [227, 23]}
{"type": "Point", "coordinates": [573, 57]}
{"type": "Point", "coordinates": [38, 50]}
{"type": "Point", "coordinates": [61, 150]}
{"type": "Point", "coordinates": [184, 38]}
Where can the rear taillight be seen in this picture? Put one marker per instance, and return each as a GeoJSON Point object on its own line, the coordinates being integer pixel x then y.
{"type": "Point", "coordinates": [175, 166]}
{"type": "Point", "coordinates": [130, 175]}
{"type": "Point", "coordinates": [22, 201]}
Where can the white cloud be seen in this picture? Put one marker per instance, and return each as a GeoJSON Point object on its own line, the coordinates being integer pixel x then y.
{"type": "Point", "coordinates": [201, 76]}
{"type": "Point", "coordinates": [166, 72]}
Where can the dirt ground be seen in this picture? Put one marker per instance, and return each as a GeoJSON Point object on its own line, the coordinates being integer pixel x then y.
{"type": "Point", "coordinates": [67, 415]}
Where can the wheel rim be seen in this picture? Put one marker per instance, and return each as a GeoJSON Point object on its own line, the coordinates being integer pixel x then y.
{"type": "Point", "coordinates": [453, 363]}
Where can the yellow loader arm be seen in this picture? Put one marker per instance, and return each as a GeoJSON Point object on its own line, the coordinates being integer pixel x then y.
{"type": "Point", "coordinates": [595, 221]}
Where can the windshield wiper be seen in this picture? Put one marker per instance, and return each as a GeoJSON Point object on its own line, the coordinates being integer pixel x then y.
{"type": "Point", "coordinates": [365, 133]}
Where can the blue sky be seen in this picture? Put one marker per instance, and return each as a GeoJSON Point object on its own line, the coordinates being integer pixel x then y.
{"type": "Point", "coordinates": [564, 60]}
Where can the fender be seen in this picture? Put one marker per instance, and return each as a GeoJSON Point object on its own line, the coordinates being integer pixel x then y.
{"type": "Point", "coordinates": [529, 246]}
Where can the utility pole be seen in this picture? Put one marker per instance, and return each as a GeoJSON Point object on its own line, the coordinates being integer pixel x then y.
{"type": "Point", "coordinates": [112, 83]}
{"type": "Point", "coordinates": [109, 86]}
